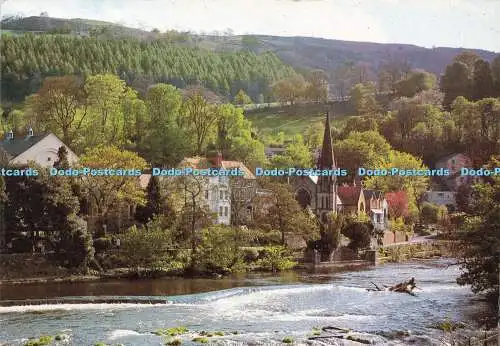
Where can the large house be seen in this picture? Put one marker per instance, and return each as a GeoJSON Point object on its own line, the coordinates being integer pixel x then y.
{"type": "Point", "coordinates": [357, 200]}
{"type": "Point", "coordinates": [41, 149]}
{"type": "Point", "coordinates": [454, 163]}
{"type": "Point", "coordinates": [226, 196]}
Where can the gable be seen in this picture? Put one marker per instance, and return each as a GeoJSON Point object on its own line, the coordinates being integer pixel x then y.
{"type": "Point", "coordinates": [44, 152]}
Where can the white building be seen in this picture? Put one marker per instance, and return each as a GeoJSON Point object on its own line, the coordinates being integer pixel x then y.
{"type": "Point", "coordinates": [218, 189]}
{"type": "Point", "coordinates": [41, 149]}
{"type": "Point", "coordinates": [446, 198]}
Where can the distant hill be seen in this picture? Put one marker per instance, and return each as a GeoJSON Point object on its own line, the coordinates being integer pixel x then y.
{"type": "Point", "coordinates": [299, 52]}
{"type": "Point", "coordinates": [75, 25]}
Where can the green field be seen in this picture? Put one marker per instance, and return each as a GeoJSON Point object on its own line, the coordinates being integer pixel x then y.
{"type": "Point", "coordinates": [291, 120]}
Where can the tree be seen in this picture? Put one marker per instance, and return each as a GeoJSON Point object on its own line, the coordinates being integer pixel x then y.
{"type": "Point", "coordinates": [234, 136]}
{"type": "Point", "coordinates": [62, 158]}
{"type": "Point", "coordinates": [455, 82]}
{"type": "Point", "coordinates": [417, 81]}
{"type": "Point", "coordinates": [192, 210]}
{"type": "Point", "coordinates": [297, 155]}
{"type": "Point", "coordinates": [429, 213]}
{"type": "Point", "coordinates": [313, 136]}
{"type": "Point", "coordinates": [219, 250]}
{"type": "Point", "coordinates": [242, 98]}
{"type": "Point", "coordinates": [495, 70]}
{"type": "Point", "coordinates": [75, 245]}
{"type": "Point", "coordinates": [106, 121]}
{"type": "Point", "coordinates": [290, 89]}
{"type": "Point", "coordinates": [200, 117]}
{"type": "Point", "coordinates": [280, 210]}
{"type": "Point", "coordinates": [155, 202]}
{"type": "Point", "coordinates": [482, 81]}
{"type": "Point", "coordinates": [398, 204]}
{"type": "Point", "coordinates": [468, 58]}
{"type": "Point", "coordinates": [363, 98]}
{"type": "Point", "coordinates": [165, 142]}
{"type": "Point", "coordinates": [147, 249]}
{"type": "Point", "coordinates": [413, 185]}
{"type": "Point", "coordinates": [39, 206]}
{"type": "Point", "coordinates": [317, 86]}
{"type": "Point", "coordinates": [57, 104]}
{"type": "Point", "coordinates": [480, 242]}
{"type": "Point", "coordinates": [359, 233]}
{"type": "Point", "coordinates": [361, 149]}
{"type": "Point", "coordinates": [250, 43]}
{"type": "Point", "coordinates": [107, 191]}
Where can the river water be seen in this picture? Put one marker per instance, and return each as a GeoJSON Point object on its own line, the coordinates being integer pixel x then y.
{"type": "Point", "coordinates": [263, 310]}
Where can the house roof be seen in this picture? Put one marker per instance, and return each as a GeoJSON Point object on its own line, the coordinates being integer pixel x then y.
{"type": "Point", "coordinates": [447, 157]}
{"type": "Point", "coordinates": [372, 194]}
{"type": "Point", "coordinates": [349, 195]}
{"type": "Point", "coordinates": [202, 163]}
{"type": "Point", "coordinates": [16, 146]}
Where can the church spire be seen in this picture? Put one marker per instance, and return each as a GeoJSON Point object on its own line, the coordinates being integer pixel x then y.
{"type": "Point", "coordinates": [326, 159]}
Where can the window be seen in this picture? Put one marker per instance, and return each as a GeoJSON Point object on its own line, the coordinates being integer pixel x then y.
{"type": "Point", "coordinates": [206, 194]}
{"type": "Point", "coordinates": [378, 218]}
{"type": "Point", "coordinates": [225, 211]}
{"type": "Point", "coordinates": [221, 194]}
{"type": "Point", "coordinates": [49, 159]}
{"type": "Point", "coordinates": [453, 161]}
{"type": "Point", "coordinates": [220, 211]}
{"type": "Point", "coordinates": [440, 194]}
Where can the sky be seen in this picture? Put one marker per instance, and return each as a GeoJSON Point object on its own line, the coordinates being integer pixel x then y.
{"type": "Point", "coordinates": [428, 23]}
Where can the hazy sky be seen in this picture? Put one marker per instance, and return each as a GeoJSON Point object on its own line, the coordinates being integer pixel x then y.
{"type": "Point", "coordinates": [452, 23]}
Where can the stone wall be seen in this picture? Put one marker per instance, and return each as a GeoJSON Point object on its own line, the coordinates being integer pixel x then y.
{"type": "Point", "coordinates": [394, 237]}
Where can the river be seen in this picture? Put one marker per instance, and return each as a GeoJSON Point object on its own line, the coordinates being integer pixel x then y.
{"type": "Point", "coordinates": [262, 309]}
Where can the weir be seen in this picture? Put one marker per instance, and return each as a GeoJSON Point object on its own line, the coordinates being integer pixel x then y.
{"type": "Point", "coordinates": [85, 300]}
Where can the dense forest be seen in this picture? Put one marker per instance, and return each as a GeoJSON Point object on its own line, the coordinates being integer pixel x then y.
{"type": "Point", "coordinates": [27, 59]}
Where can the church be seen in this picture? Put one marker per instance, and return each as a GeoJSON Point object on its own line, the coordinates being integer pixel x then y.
{"type": "Point", "coordinates": [323, 195]}
{"type": "Point", "coordinates": [319, 193]}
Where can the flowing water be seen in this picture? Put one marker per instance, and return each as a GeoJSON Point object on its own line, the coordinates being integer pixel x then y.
{"type": "Point", "coordinates": [261, 310]}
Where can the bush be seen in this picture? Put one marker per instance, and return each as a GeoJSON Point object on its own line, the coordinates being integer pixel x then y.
{"type": "Point", "coordinates": [21, 245]}
{"type": "Point", "coordinates": [429, 213]}
{"type": "Point", "coordinates": [276, 258]}
{"type": "Point", "coordinates": [102, 244]}
{"type": "Point", "coordinates": [219, 251]}
{"type": "Point", "coordinates": [359, 233]}
{"type": "Point", "coordinates": [250, 255]}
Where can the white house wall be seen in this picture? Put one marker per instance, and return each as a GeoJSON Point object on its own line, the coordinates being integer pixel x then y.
{"type": "Point", "coordinates": [44, 152]}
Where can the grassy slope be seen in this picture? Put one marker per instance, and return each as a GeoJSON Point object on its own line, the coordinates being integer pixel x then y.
{"type": "Point", "coordinates": [291, 120]}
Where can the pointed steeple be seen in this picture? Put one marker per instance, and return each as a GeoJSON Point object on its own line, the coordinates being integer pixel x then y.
{"type": "Point", "coordinates": [326, 159]}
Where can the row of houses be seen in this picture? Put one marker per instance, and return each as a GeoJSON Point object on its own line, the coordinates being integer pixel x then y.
{"type": "Point", "coordinates": [233, 197]}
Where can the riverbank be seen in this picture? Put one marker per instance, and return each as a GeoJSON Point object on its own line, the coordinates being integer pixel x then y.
{"type": "Point", "coordinates": [19, 269]}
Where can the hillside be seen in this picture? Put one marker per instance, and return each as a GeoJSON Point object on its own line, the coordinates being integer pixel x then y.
{"type": "Point", "coordinates": [300, 52]}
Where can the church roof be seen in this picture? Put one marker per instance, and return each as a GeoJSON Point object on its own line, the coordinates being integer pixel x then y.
{"type": "Point", "coordinates": [326, 159]}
